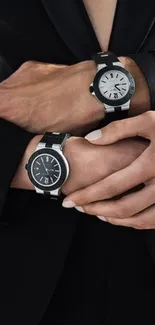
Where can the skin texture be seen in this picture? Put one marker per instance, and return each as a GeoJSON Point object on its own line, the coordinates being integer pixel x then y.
{"type": "Point", "coordinates": [91, 164]}
{"type": "Point", "coordinates": [42, 97]}
{"type": "Point", "coordinates": [27, 100]}
{"type": "Point", "coordinates": [109, 197]}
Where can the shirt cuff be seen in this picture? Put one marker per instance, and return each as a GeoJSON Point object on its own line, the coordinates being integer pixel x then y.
{"type": "Point", "coordinates": [146, 62]}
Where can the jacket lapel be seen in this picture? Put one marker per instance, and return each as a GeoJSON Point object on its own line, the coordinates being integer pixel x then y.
{"type": "Point", "coordinates": [73, 26]}
{"type": "Point", "coordinates": [133, 23]}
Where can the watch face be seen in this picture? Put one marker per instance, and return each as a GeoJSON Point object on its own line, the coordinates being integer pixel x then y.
{"type": "Point", "coordinates": [47, 169]}
{"type": "Point", "coordinates": [114, 85]}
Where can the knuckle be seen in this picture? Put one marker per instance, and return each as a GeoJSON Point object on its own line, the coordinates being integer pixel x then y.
{"type": "Point", "coordinates": [141, 225]}
{"type": "Point", "coordinates": [149, 116]}
{"type": "Point", "coordinates": [27, 64]}
{"type": "Point", "coordinates": [112, 221]}
{"type": "Point", "coordinates": [116, 126]}
{"type": "Point", "coordinates": [88, 210]}
{"type": "Point", "coordinates": [111, 191]}
{"type": "Point", "coordinates": [121, 210]}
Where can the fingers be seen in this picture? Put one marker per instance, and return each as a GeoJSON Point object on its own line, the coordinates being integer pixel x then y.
{"type": "Point", "coordinates": [142, 125]}
{"type": "Point", "coordinates": [120, 182]}
{"type": "Point", "coordinates": [143, 221]}
{"type": "Point", "coordinates": [125, 207]}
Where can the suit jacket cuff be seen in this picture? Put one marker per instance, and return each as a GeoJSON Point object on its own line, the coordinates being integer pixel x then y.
{"type": "Point", "coordinates": [146, 62]}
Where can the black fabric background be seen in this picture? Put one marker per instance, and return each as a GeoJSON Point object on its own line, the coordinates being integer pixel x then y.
{"type": "Point", "coordinates": [37, 235]}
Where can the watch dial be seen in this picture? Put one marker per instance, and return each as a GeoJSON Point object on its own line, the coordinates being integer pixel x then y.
{"type": "Point", "coordinates": [46, 170]}
{"type": "Point", "coordinates": [114, 85]}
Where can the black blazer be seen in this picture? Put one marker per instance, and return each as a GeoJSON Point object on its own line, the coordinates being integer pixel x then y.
{"type": "Point", "coordinates": [35, 233]}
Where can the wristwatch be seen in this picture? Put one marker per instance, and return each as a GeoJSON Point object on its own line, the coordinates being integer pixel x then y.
{"type": "Point", "coordinates": [113, 85]}
{"type": "Point", "coordinates": [48, 168]}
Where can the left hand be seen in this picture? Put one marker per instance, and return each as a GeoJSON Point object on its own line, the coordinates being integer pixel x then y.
{"type": "Point", "coordinates": [134, 209]}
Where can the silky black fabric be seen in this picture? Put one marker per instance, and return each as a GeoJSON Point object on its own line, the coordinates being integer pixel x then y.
{"type": "Point", "coordinates": [51, 256]}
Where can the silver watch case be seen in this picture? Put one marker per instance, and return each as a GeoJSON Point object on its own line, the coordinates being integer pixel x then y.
{"type": "Point", "coordinates": [123, 102]}
{"type": "Point", "coordinates": [55, 151]}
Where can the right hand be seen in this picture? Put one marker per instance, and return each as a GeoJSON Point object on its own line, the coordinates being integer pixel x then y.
{"type": "Point", "coordinates": [42, 97]}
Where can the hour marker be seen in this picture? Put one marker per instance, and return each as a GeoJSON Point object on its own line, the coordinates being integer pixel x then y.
{"type": "Point", "coordinates": [104, 81]}
{"type": "Point", "coordinates": [38, 162]}
{"type": "Point", "coordinates": [41, 178]}
{"type": "Point", "coordinates": [55, 176]}
{"type": "Point", "coordinates": [37, 174]}
{"type": "Point", "coordinates": [105, 92]}
{"type": "Point", "coordinates": [120, 93]}
{"type": "Point", "coordinates": [56, 170]}
{"type": "Point", "coordinates": [110, 95]}
{"type": "Point", "coordinates": [55, 165]}
{"type": "Point", "coordinates": [124, 84]}
{"type": "Point", "coordinates": [52, 160]}
{"type": "Point", "coordinates": [46, 180]}
{"type": "Point", "coordinates": [123, 89]}
{"type": "Point", "coordinates": [51, 179]}
{"type": "Point", "coordinates": [107, 77]}
{"type": "Point", "coordinates": [117, 75]}
{"type": "Point", "coordinates": [121, 79]}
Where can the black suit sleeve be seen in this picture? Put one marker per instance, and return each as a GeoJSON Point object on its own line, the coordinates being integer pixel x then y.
{"type": "Point", "coordinates": [13, 142]}
{"type": "Point", "coordinates": [146, 62]}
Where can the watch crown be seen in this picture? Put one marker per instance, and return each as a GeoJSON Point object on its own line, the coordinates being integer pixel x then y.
{"type": "Point", "coordinates": [91, 89]}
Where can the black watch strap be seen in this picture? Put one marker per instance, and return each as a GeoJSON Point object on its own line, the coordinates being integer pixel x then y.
{"type": "Point", "coordinates": [107, 58]}
{"type": "Point", "coordinates": [115, 116]}
{"type": "Point", "coordinates": [54, 138]}
{"type": "Point", "coordinates": [51, 139]}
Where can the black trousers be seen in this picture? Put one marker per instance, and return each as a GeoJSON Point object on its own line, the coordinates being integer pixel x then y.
{"type": "Point", "coordinates": [109, 278]}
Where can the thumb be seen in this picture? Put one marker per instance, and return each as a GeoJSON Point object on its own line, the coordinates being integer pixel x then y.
{"type": "Point", "coordinates": [112, 133]}
{"type": "Point", "coordinates": [140, 125]}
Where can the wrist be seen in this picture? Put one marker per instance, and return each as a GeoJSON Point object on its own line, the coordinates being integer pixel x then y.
{"type": "Point", "coordinates": [140, 102]}
{"type": "Point", "coordinates": [21, 179]}
{"type": "Point", "coordinates": [98, 108]}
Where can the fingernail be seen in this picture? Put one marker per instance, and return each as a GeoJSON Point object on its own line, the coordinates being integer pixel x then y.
{"type": "Point", "coordinates": [102, 218]}
{"type": "Point", "coordinates": [68, 204]}
{"type": "Point", "coordinates": [80, 209]}
{"type": "Point", "coordinates": [97, 134]}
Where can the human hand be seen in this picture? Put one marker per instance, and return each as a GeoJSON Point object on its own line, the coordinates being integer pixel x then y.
{"type": "Point", "coordinates": [43, 97]}
{"type": "Point", "coordinates": [136, 209]}
{"type": "Point", "coordinates": [88, 163]}
{"type": "Point", "coordinates": [140, 102]}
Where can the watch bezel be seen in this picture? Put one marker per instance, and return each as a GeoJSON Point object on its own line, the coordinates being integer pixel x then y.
{"type": "Point", "coordinates": [63, 164]}
{"type": "Point", "coordinates": [117, 102]}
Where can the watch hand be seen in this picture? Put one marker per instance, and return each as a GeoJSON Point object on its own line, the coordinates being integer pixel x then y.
{"type": "Point", "coordinates": [44, 166]}
{"type": "Point", "coordinates": [117, 87]}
